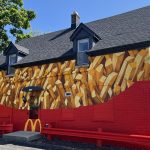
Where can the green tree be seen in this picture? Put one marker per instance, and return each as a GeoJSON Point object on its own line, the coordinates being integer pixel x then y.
{"type": "Point", "coordinates": [14, 20]}
{"type": "Point", "coordinates": [34, 33]}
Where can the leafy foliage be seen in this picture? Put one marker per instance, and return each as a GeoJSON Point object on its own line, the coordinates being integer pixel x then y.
{"type": "Point", "coordinates": [34, 33]}
{"type": "Point", "coordinates": [14, 20]}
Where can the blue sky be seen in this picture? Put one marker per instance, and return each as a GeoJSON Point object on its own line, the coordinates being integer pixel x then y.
{"type": "Point", "coordinates": [54, 15]}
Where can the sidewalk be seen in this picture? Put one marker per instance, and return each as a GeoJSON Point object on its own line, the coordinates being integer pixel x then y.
{"type": "Point", "coordinates": [15, 147]}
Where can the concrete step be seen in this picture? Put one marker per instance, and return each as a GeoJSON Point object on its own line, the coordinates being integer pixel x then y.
{"type": "Point", "coordinates": [22, 136]}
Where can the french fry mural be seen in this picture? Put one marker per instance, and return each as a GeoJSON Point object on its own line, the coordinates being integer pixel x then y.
{"type": "Point", "coordinates": [107, 76]}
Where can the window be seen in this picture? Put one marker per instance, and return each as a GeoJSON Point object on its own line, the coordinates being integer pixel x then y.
{"type": "Point", "coordinates": [19, 58]}
{"type": "Point", "coordinates": [12, 59]}
{"type": "Point", "coordinates": [82, 58]}
{"type": "Point", "coordinates": [83, 45]}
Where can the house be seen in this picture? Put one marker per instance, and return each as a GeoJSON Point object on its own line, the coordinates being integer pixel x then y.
{"type": "Point", "coordinates": [88, 64]}
{"type": "Point", "coordinates": [124, 31]}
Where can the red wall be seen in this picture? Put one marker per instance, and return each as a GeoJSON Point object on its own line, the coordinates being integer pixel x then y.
{"type": "Point", "coordinates": [19, 119]}
{"type": "Point", "coordinates": [5, 114]}
{"type": "Point", "coordinates": [129, 112]}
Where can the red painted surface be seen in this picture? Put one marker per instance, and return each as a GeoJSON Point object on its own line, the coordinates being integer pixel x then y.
{"type": "Point", "coordinates": [128, 113]}
{"type": "Point", "coordinates": [19, 119]}
{"type": "Point", "coordinates": [99, 136]}
{"type": "Point", "coordinates": [6, 128]}
{"type": "Point", "coordinates": [5, 115]}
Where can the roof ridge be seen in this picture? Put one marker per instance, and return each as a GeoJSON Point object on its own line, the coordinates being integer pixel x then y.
{"type": "Point", "coordinates": [123, 29]}
{"type": "Point", "coordinates": [87, 23]}
{"type": "Point", "coordinates": [41, 35]}
{"type": "Point", "coordinates": [120, 14]}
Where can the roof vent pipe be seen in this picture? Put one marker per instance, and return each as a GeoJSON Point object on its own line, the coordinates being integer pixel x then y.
{"type": "Point", "coordinates": [75, 20]}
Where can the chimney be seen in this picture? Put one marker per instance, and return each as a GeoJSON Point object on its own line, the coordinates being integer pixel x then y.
{"type": "Point", "coordinates": [75, 20]}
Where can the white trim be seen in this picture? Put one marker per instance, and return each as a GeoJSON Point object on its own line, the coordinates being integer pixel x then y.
{"type": "Point", "coordinates": [83, 41]}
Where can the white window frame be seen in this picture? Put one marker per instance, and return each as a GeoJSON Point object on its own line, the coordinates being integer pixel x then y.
{"type": "Point", "coordinates": [10, 58]}
{"type": "Point", "coordinates": [83, 41]}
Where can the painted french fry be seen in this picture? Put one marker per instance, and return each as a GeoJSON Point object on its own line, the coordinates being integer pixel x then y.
{"type": "Point", "coordinates": [101, 82]}
{"type": "Point", "coordinates": [108, 83]}
{"type": "Point", "coordinates": [117, 61]}
{"type": "Point", "coordinates": [139, 60]}
{"type": "Point", "coordinates": [47, 100]}
{"type": "Point", "coordinates": [99, 72]}
{"type": "Point", "coordinates": [97, 60]}
{"type": "Point", "coordinates": [140, 76]}
{"type": "Point", "coordinates": [120, 76]}
{"type": "Point", "coordinates": [78, 100]}
{"type": "Point", "coordinates": [109, 66]}
{"type": "Point", "coordinates": [117, 89]}
{"type": "Point", "coordinates": [147, 69]}
{"type": "Point", "coordinates": [84, 95]}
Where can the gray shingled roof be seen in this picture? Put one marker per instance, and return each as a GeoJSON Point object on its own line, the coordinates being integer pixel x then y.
{"type": "Point", "coordinates": [2, 59]}
{"type": "Point", "coordinates": [21, 48]}
{"type": "Point", "coordinates": [128, 28]}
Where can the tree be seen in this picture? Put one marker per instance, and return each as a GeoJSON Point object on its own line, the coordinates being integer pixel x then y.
{"type": "Point", "coordinates": [34, 33]}
{"type": "Point", "coordinates": [14, 20]}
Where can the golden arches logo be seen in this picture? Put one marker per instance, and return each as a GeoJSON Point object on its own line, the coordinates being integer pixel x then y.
{"type": "Point", "coordinates": [33, 125]}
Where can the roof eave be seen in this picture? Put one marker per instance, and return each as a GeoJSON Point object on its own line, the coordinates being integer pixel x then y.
{"type": "Point", "coordinates": [121, 48]}
{"type": "Point", "coordinates": [41, 62]}
{"type": "Point", "coordinates": [90, 53]}
{"type": "Point", "coordinates": [85, 28]}
{"type": "Point", "coordinates": [23, 53]}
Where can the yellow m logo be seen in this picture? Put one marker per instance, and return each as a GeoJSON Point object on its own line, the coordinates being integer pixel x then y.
{"type": "Point", "coordinates": [33, 125]}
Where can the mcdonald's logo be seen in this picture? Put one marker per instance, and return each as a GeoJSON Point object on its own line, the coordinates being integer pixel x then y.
{"type": "Point", "coordinates": [33, 125]}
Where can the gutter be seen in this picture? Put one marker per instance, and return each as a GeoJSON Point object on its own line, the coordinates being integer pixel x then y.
{"type": "Point", "coordinates": [119, 48]}
{"type": "Point", "coordinates": [90, 53]}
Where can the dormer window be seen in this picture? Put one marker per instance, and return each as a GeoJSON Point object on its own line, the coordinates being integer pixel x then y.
{"type": "Point", "coordinates": [14, 53]}
{"type": "Point", "coordinates": [83, 39]}
{"type": "Point", "coordinates": [83, 45]}
{"type": "Point", "coordinates": [12, 59]}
